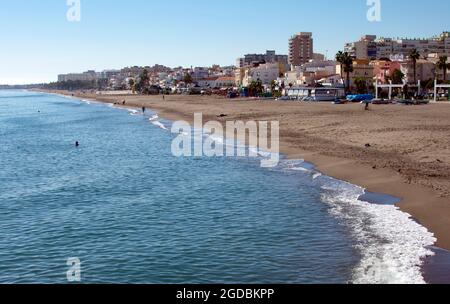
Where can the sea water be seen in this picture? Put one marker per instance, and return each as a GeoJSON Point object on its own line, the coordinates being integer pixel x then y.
{"type": "Point", "coordinates": [131, 212]}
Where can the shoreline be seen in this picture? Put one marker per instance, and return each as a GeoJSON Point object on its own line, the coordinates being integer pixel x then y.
{"type": "Point", "coordinates": [381, 187]}
{"type": "Point", "coordinates": [381, 180]}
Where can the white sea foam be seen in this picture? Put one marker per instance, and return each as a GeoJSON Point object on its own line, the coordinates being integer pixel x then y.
{"type": "Point", "coordinates": [292, 163]}
{"type": "Point", "coordinates": [295, 165]}
{"type": "Point", "coordinates": [300, 169]}
{"type": "Point", "coordinates": [392, 245]}
{"type": "Point", "coordinates": [223, 141]}
{"type": "Point", "coordinates": [264, 153]}
{"type": "Point", "coordinates": [217, 139]}
{"type": "Point", "coordinates": [259, 152]}
{"type": "Point", "coordinates": [154, 117]}
{"type": "Point", "coordinates": [317, 175]}
{"type": "Point", "coordinates": [133, 111]}
{"type": "Point", "coordinates": [159, 125]}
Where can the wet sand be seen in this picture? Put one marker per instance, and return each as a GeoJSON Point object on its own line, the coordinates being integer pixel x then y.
{"type": "Point", "coordinates": [407, 156]}
{"type": "Point", "coordinates": [435, 269]}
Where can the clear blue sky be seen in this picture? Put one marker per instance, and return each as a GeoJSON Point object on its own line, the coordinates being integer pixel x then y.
{"type": "Point", "coordinates": [38, 42]}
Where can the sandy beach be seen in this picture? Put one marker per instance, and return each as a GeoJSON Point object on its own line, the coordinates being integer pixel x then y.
{"type": "Point", "coordinates": [403, 151]}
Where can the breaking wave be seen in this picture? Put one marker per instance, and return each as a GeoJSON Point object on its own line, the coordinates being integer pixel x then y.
{"type": "Point", "coordinates": [391, 243]}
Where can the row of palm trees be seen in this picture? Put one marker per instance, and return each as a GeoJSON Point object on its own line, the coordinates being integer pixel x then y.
{"type": "Point", "coordinates": [440, 65]}
{"type": "Point", "coordinates": [346, 62]}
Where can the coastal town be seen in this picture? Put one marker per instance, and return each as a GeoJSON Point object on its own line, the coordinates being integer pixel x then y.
{"type": "Point", "coordinates": [381, 68]}
{"type": "Point", "coordinates": [399, 146]}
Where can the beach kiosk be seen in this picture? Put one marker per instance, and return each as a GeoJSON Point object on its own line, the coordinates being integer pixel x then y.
{"type": "Point", "coordinates": [390, 86]}
{"type": "Point", "coordinates": [440, 86]}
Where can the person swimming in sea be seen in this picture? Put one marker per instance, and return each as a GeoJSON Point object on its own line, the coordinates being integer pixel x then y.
{"type": "Point", "coordinates": [77, 144]}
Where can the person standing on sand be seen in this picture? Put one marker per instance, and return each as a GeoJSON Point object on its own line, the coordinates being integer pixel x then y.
{"type": "Point", "coordinates": [366, 102]}
{"type": "Point", "coordinates": [164, 97]}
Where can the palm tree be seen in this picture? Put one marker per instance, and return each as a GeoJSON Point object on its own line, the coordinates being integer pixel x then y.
{"type": "Point", "coordinates": [131, 84]}
{"type": "Point", "coordinates": [414, 56]}
{"type": "Point", "coordinates": [339, 58]}
{"type": "Point", "coordinates": [347, 63]}
{"type": "Point", "coordinates": [187, 78]}
{"type": "Point", "coordinates": [273, 85]}
{"type": "Point", "coordinates": [443, 65]}
{"type": "Point", "coordinates": [256, 88]}
{"type": "Point", "coordinates": [397, 77]}
{"type": "Point", "coordinates": [143, 81]}
{"type": "Point", "coordinates": [361, 85]}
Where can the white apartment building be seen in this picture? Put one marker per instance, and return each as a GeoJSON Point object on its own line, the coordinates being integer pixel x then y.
{"type": "Point", "coordinates": [425, 70]}
{"type": "Point", "coordinates": [369, 47]}
{"type": "Point", "coordinates": [268, 57]}
{"type": "Point", "coordinates": [293, 77]}
{"type": "Point", "coordinates": [312, 72]}
{"type": "Point", "coordinates": [208, 82]}
{"type": "Point", "coordinates": [225, 82]}
{"type": "Point", "coordinates": [266, 73]}
{"type": "Point", "coordinates": [200, 73]}
{"type": "Point", "coordinates": [86, 76]}
{"type": "Point", "coordinates": [326, 67]}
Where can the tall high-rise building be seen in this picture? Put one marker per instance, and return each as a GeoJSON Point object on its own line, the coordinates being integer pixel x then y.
{"type": "Point", "coordinates": [301, 48]}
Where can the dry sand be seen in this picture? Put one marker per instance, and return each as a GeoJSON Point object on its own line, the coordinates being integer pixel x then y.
{"type": "Point", "coordinates": [408, 157]}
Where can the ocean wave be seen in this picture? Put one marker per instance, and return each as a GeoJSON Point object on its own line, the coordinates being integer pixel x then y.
{"type": "Point", "coordinates": [260, 152]}
{"type": "Point", "coordinates": [154, 117]}
{"type": "Point", "coordinates": [159, 125]}
{"type": "Point", "coordinates": [391, 244]}
{"type": "Point", "coordinates": [317, 175]}
{"type": "Point", "coordinates": [217, 139]}
{"type": "Point", "coordinates": [296, 165]}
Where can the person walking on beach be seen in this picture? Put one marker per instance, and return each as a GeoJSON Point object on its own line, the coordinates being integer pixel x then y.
{"type": "Point", "coordinates": [366, 102]}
